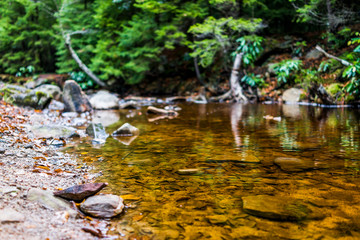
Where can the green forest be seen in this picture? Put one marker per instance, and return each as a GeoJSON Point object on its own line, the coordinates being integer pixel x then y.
{"type": "Point", "coordinates": [159, 47]}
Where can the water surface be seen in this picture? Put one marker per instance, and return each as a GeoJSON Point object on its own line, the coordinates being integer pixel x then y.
{"type": "Point", "coordinates": [185, 178]}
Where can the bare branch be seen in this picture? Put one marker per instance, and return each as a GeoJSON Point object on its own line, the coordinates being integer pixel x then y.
{"type": "Point", "coordinates": [344, 62]}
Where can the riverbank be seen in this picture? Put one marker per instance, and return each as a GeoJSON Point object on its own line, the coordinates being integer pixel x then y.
{"type": "Point", "coordinates": [29, 163]}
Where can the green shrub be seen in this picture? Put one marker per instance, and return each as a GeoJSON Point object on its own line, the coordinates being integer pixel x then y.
{"type": "Point", "coordinates": [285, 69]}
{"type": "Point", "coordinates": [84, 81]}
{"type": "Point", "coordinates": [253, 80]}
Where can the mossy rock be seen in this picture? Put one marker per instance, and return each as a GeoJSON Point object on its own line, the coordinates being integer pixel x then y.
{"type": "Point", "coordinates": [21, 96]}
{"type": "Point", "coordinates": [334, 88]}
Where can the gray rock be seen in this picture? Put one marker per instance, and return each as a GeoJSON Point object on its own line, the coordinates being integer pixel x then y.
{"type": "Point", "coordinates": [126, 130]}
{"type": "Point", "coordinates": [53, 131]}
{"type": "Point", "coordinates": [48, 200]}
{"type": "Point", "coordinates": [279, 208]}
{"type": "Point", "coordinates": [2, 150]}
{"type": "Point", "coordinates": [291, 95]}
{"type": "Point", "coordinates": [30, 84]}
{"type": "Point", "coordinates": [23, 97]}
{"type": "Point", "coordinates": [97, 131]}
{"type": "Point", "coordinates": [74, 98]}
{"type": "Point", "coordinates": [9, 215]}
{"type": "Point", "coordinates": [77, 122]}
{"type": "Point", "coordinates": [51, 90]}
{"type": "Point", "coordinates": [103, 206]}
{"type": "Point", "coordinates": [104, 100]}
{"type": "Point", "coordinates": [56, 105]}
{"type": "Point", "coordinates": [129, 105]}
{"type": "Point", "coordinates": [294, 164]}
{"type": "Point", "coordinates": [313, 54]}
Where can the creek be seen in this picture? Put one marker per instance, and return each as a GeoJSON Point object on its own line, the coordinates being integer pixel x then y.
{"type": "Point", "coordinates": [188, 177]}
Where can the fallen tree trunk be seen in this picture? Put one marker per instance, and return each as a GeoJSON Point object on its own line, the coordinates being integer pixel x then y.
{"type": "Point", "coordinates": [78, 60]}
{"type": "Point", "coordinates": [236, 89]}
{"type": "Point", "coordinates": [344, 62]}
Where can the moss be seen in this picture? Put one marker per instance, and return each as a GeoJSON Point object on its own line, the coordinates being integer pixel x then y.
{"type": "Point", "coordinates": [349, 98]}
{"type": "Point", "coordinates": [303, 96]}
{"type": "Point", "coordinates": [334, 88]}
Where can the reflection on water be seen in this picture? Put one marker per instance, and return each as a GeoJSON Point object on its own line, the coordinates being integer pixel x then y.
{"type": "Point", "coordinates": [188, 177]}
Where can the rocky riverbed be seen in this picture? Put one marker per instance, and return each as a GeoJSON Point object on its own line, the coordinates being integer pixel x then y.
{"type": "Point", "coordinates": [30, 165]}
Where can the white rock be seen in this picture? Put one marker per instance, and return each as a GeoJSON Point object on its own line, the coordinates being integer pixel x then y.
{"type": "Point", "coordinates": [104, 100]}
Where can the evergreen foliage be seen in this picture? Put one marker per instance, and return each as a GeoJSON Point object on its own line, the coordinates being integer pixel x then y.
{"type": "Point", "coordinates": [127, 41]}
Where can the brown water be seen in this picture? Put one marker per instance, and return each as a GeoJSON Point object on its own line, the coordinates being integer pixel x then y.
{"type": "Point", "coordinates": [188, 177]}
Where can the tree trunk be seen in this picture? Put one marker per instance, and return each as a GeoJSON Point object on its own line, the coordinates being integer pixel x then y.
{"type": "Point", "coordinates": [80, 63]}
{"type": "Point", "coordinates": [330, 17]}
{"type": "Point", "coordinates": [197, 71]}
{"type": "Point", "coordinates": [236, 89]}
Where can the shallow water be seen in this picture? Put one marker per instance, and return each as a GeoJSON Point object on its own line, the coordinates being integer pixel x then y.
{"type": "Point", "coordinates": [187, 177]}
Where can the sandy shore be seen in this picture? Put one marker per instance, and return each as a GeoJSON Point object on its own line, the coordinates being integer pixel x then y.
{"type": "Point", "coordinates": [27, 163]}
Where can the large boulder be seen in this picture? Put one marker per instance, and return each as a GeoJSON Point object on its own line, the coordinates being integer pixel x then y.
{"type": "Point", "coordinates": [51, 90]}
{"type": "Point", "coordinates": [279, 208]}
{"type": "Point", "coordinates": [292, 95]}
{"type": "Point", "coordinates": [104, 100]}
{"type": "Point", "coordinates": [74, 98]}
{"type": "Point", "coordinates": [103, 206]}
{"type": "Point", "coordinates": [24, 97]}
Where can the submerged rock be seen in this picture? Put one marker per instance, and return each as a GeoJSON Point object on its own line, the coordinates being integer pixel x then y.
{"type": "Point", "coordinates": [279, 208]}
{"type": "Point", "coordinates": [126, 130]}
{"type": "Point", "coordinates": [9, 215]}
{"type": "Point", "coordinates": [80, 192]}
{"type": "Point", "coordinates": [103, 206]}
{"type": "Point", "coordinates": [294, 164]}
{"type": "Point", "coordinates": [53, 131]}
{"type": "Point", "coordinates": [97, 131]}
{"type": "Point", "coordinates": [74, 99]}
{"type": "Point", "coordinates": [104, 100]}
{"type": "Point", "coordinates": [48, 200]}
